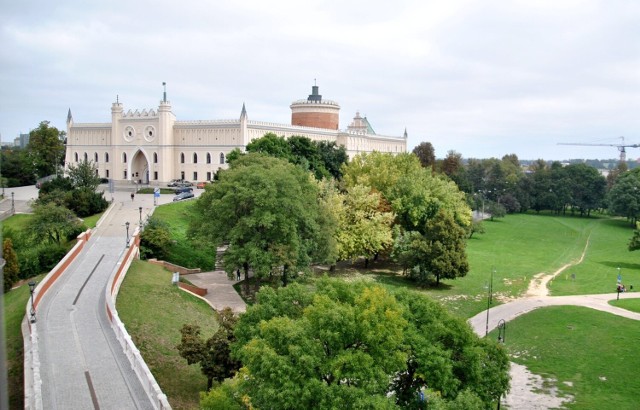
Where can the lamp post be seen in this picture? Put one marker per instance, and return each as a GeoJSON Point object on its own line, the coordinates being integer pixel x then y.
{"type": "Point", "coordinates": [127, 225]}
{"type": "Point", "coordinates": [489, 300]}
{"type": "Point", "coordinates": [140, 209]}
{"type": "Point", "coordinates": [13, 206]}
{"type": "Point", "coordinates": [619, 285]}
{"type": "Point", "coordinates": [32, 287]}
{"type": "Point", "coordinates": [502, 330]}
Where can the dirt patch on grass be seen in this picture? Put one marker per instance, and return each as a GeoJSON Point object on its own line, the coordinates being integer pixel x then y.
{"type": "Point", "coordinates": [532, 392]}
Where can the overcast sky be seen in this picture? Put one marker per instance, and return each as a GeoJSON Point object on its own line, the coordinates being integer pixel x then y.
{"type": "Point", "coordinates": [484, 78]}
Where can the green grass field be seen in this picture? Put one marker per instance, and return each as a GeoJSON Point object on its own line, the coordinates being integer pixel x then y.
{"type": "Point", "coordinates": [592, 355]}
{"type": "Point", "coordinates": [154, 311]}
{"type": "Point", "coordinates": [629, 304]}
{"type": "Point", "coordinates": [15, 303]}
{"type": "Point", "coordinates": [178, 216]}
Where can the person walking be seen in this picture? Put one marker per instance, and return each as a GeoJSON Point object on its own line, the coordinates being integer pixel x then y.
{"type": "Point", "coordinates": [238, 274]}
{"type": "Point", "coordinates": [132, 196]}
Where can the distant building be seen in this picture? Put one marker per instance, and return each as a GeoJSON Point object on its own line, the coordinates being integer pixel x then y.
{"type": "Point", "coordinates": [22, 141]}
{"type": "Point", "coordinates": [153, 146]}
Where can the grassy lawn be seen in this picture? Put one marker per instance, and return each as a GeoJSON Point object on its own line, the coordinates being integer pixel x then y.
{"type": "Point", "coordinates": [183, 252]}
{"type": "Point", "coordinates": [154, 311]}
{"type": "Point", "coordinates": [517, 247]}
{"type": "Point", "coordinates": [599, 271]}
{"type": "Point", "coordinates": [91, 221]}
{"type": "Point", "coordinates": [591, 354]}
{"type": "Point", "coordinates": [17, 222]}
{"type": "Point", "coordinates": [15, 302]}
{"type": "Point", "coordinates": [629, 304]}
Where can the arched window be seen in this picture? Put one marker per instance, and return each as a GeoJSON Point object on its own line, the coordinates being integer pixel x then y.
{"type": "Point", "coordinates": [106, 173]}
{"type": "Point", "coordinates": [96, 172]}
{"type": "Point", "coordinates": [124, 158]}
{"type": "Point", "coordinates": [95, 156]}
{"type": "Point", "coordinates": [182, 157]}
{"type": "Point", "coordinates": [222, 157]}
{"type": "Point", "coordinates": [86, 157]}
{"type": "Point", "coordinates": [155, 157]}
{"type": "Point", "coordinates": [195, 158]}
{"type": "Point", "coordinates": [76, 156]}
{"type": "Point", "coordinates": [208, 158]}
{"type": "Point", "coordinates": [106, 157]}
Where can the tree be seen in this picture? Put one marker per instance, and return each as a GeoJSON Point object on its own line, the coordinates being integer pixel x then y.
{"type": "Point", "coordinates": [333, 156]}
{"type": "Point", "coordinates": [53, 222]}
{"type": "Point", "coordinates": [84, 175]}
{"type": "Point", "coordinates": [634, 243]}
{"type": "Point", "coordinates": [46, 149]}
{"type": "Point", "coordinates": [355, 345]}
{"type": "Point", "coordinates": [272, 145]}
{"type": "Point", "coordinates": [496, 209]}
{"type": "Point", "coordinates": [437, 252]}
{"type": "Point", "coordinates": [451, 163]}
{"type": "Point", "coordinates": [214, 354]}
{"type": "Point", "coordinates": [364, 226]}
{"type": "Point", "coordinates": [476, 227]}
{"type": "Point", "coordinates": [267, 211]}
{"type": "Point", "coordinates": [11, 270]}
{"type": "Point", "coordinates": [155, 239]}
{"type": "Point", "coordinates": [426, 154]}
{"type": "Point", "coordinates": [624, 196]}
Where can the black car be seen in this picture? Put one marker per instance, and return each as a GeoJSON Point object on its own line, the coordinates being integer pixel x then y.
{"type": "Point", "coordinates": [183, 189]}
{"type": "Point", "coordinates": [184, 195]}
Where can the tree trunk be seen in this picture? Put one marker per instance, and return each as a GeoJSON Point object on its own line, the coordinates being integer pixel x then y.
{"type": "Point", "coordinates": [285, 268]}
{"type": "Point", "coordinates": [366, 263]}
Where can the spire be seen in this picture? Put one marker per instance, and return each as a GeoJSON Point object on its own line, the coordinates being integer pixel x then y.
{"type": "Point", "coordinates": [243, 113]}
{"type": "Point", "coordinates": [405, 133]}
{"type": "Point", "coordinates": [69, 117]}
{"type": "Point", "coordinates": [164, 94]}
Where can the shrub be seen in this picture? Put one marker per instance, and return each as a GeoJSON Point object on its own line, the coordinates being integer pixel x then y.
{"type": "Point", "coordinates": [49, 255]}
{"type": "Point", "coordinates": [85, 202]}
{"type": "Point", "coordinates": [155, 239]}
{"type": "Point", "coordinates": [29, 263]}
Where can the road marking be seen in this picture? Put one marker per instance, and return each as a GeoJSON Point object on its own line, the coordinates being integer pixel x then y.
{"type": "Point", "coordinates": [87, 280]}
{"type": "Point", "coordinates": [94, 398]}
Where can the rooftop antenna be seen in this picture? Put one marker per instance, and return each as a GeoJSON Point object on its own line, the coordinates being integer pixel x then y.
{"type": "Point", "coordinates": [164, 96]}
{"type": "Point", "coordinates": [117, 99]}
{"type": "Point", "coordinates": [314, 82]}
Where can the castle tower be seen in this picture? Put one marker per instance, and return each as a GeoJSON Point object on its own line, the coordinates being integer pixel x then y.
{"type": "Point", "coordinates": [315, 112]}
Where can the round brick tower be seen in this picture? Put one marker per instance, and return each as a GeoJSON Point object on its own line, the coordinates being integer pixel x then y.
{"type": "Point", "coordinates": [315, 112]}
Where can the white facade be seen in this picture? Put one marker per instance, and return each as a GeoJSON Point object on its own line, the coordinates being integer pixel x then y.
{"type": "Point", "coordinates": [153, 147]}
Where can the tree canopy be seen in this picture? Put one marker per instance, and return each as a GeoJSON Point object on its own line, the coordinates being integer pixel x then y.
{"type": "Point", "coordinates": [355, 345]}
{"type": "Point", "coordinates": [267, 211]}
{"type": "Point", "coordinates": [46, 149]}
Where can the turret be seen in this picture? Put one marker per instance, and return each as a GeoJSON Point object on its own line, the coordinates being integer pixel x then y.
{"type": "Point", "coordinates": [315, 112]}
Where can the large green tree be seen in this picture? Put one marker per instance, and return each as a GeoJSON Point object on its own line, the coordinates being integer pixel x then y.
{"type": "Point", "coordinates": [624, 196]}
{"type": "Point", "coordinates": [355, 345]}
{"type": "Point", "coordinates": [46, 149]}
{"type": "Point", "coordinates": [53, 222]}
{"type": "Point", "coordinates": [426, 154]}
{"type": "Point", "coordinates": [267, 211]}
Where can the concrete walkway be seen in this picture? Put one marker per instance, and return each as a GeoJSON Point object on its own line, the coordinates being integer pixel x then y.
{"type": "Point", "coordinates": [82, 364]}
{"type": "Point", "coordinates": [220, 291]}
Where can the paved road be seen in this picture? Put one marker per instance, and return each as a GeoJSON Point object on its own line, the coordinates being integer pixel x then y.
{"type": "Point", "coordinates": [82, 363]}
{"type": "Point", "coordinates": [511, 310]}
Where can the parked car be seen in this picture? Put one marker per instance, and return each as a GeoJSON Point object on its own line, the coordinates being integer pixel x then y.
{"type": "Point", "coordinates": [184, 183]}
{"type": "Point", "coordinates": [184, 195]}
{"type": "Point", "coordinates": [201, 185]}
{"type": "Point", "coordinates": [182, 189]}
{"type": "Point", "coordinates": [174, 182]}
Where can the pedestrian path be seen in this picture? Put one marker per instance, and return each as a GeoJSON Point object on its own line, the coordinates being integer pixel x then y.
{"type": "Point", "coordinates": [220, 290]}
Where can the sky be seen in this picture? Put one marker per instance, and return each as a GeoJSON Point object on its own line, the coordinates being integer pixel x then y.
{"type": "Point", "coordinates": [483, 78]}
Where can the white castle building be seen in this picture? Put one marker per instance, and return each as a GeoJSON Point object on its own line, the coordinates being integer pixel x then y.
{"type": "Point", "coordinates": [151, 146]}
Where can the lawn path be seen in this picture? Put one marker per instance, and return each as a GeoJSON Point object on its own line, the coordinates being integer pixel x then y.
{"type": "Point", "coordinates": [527, 389]}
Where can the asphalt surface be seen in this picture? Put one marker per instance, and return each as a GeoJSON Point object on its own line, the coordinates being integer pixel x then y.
{"type": "Point", "coordinates": [82, 363]}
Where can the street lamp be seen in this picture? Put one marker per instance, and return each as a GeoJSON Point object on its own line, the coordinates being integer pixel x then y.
{"type": "Point", "coordinates": [619, 286]}
{"type": "Point", "coordinates": [127, 225]}
{"type": "Point", "coordinates": [502, 330]}
{"type": "Point", "coordinates": [13, 206]}
{"type": "Point", "coordinates": [32, 287]}
{"type": "Point", "coordinates": [489, 300]}
{"type": "Point", "coordinates": [140, 209]}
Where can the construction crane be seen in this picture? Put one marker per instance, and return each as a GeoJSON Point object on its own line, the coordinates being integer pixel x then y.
{"type": "Point", "coordinates": [621, 147]}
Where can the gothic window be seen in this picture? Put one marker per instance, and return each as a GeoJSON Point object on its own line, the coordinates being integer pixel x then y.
{"type": "Point", "coordinates": [222, 157]}
{"type": "Point", "coordinates": [76, 156]}
{"type": "Point", "coordinates": [208, 158]}
{"type": "Point", "coordinates": [182, 158]}
{"type": "Point", "coordinates": [155, 157]}
{"type": "Point", "coordinates": [124, 158]}
{"type": "Point", "coordinates": [195, 158]}
{"type": "Point", "coordinates": [96, 172]}
{"type": "Point", "coordinates": [106, 157]}
{"type": "Point", "coordinates": [155, 175]}
{"type": "Point", "coordinates": [106, 174]}
{"type": "Point", "coordinates": [95, 156]}
{"type": "Point", "coordinates": [86, 157]}
{"type": "Point", "coordinates": [195, 176]}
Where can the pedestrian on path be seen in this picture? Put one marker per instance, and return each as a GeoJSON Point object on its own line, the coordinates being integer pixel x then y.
{"type": "Point", "coordinates": [238, 274]}
{"type": "Point", "coordinates": [132, 196]}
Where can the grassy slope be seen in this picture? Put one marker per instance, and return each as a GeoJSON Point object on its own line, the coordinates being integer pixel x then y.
{"type": "Point", "coordinates": [154, 311]}
{"type": "Point", "coordinates": [594, 351]}
{"type": "Point", "coordinates": [629, 304]}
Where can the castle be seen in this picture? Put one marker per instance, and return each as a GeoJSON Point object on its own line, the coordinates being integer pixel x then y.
{"type": "Point", "coordinates": [151, 146]}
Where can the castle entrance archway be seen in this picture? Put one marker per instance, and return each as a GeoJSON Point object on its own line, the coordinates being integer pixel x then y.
{"type": "Point", "coordinates": [140, 168]}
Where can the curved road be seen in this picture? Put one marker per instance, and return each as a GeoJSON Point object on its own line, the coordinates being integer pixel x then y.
{"type": "Point", "coordinates": [82, 363]}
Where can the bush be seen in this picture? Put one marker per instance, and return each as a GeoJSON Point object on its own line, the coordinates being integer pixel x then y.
{"type": "Point", "coordinates": [155, 239]}
{"type": "Point", "coordinates": [29, 263]}
{"type": "Point", "coordinates": [86, 203]}
{"type": "Point", "coordinates": [49, 255]}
